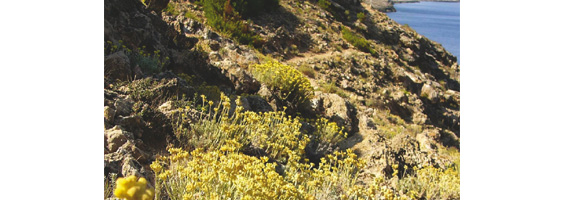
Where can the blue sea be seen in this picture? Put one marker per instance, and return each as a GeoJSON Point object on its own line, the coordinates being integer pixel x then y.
{"type": "Point", "coordinates": [438, 21]}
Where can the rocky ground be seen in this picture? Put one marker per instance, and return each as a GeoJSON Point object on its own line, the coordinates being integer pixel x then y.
{"type": "Point", "coordinates": [400, 105]}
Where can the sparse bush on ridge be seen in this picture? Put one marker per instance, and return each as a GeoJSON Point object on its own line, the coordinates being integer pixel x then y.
{"type": "Point", "coordinates": [147, 61]}
{"type": "Point", "coordinates": [226, 17]}
{"type": "Point", "coordinates": [361, 16]}
{"type": "Point", "coordinates": [357, 41]}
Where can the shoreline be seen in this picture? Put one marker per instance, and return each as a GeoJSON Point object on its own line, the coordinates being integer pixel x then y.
{"type": "Point", "coordinates": [418, 1]}
{"type": "Point", "coordinates": [387, 6]}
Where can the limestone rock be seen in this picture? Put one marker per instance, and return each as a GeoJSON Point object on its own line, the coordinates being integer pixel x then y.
{"type": "Point", "coordinates": [166, 107]}
{"type": "Point", "coordinates": [116, 137]}
{"type": "Point", "coordinates": [109, 114]}
{"type": "Point", "coordinates": [335, 108]}
{"type": "Point", "coordinates": [123, 107]}
{"type": "Point", "coordinates": [131, 167]}
{"type": "Point", "coordinates": [430, 93]}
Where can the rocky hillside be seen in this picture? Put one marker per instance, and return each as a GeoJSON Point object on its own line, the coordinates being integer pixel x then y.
{"type": "Point", "coordinates": [393, 91]}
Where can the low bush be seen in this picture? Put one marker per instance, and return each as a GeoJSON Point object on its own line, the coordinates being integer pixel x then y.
{"type": "Point", "coordinates": [226, 16]}
{"type": "Point", "coordinates": [308, 71]}
{"type": "Point", "coordinates": [361, 16]}
{"type": "Point", "coordinates": [147, 61]}
{"type": "Point", "coordinates": [357, 41]}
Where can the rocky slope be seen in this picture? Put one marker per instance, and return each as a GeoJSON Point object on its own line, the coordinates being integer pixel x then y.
{"type": "Point", "coordinates": [400, 104]}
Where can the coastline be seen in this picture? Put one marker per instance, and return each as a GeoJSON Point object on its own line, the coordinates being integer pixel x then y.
{"type": "Point", "coordinates": [417, 1]}
{"type": "Point", "coordinates": [387, 6]}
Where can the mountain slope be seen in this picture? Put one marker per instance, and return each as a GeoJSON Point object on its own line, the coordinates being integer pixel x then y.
{"type": "Point", "coordinates": [393, 91]}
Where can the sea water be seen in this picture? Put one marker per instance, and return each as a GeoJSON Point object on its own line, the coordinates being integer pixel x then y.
{"type": "Point", "coordinates": [438, 21]}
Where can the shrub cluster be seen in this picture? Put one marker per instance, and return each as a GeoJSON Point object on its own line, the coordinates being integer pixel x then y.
{"type": "Point", "coordinates": [147, 61]}
{"type": "Point", "coordinates": [272, 132]}
{"type": "Point", "coordinates": [357, 41]}
{"type": "Point", "coordinates": [226, 16]}
{"type": "Point", "coordinates": [288, 84]}
{"type": "Point", "coordinates": [229, 174]}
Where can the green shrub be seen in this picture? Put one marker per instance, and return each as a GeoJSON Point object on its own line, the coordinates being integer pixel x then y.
{"type": "Point", "coordinates": [361, 16]}
{"type": "Point", "coordinates": [171, 9]}
{"type": "Point", "coordinates": [357, 41]}
{"type": "Point", "coordinates": [147, 61]}
{"type": "Point", "coordinates": [226, 17]}
{"type": "Point", "coordinates": [324, 4]}
{"type": "Point", "coordinates": [308, 71]}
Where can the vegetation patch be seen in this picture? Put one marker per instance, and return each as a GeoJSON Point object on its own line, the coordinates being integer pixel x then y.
{"type": "Point", "coordinates": [229, 174]}
{"type": "Point", "coordinates": [357, 41]}
{"type": "Point", "coordinates": [149, 62]}
{"type": "Point", "coordinates": [227, 16]}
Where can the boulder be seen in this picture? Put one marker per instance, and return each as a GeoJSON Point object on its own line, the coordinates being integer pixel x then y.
{"type": "Point", "coordinates": [429, 93]}
{"type": "Point", "coordinates": [336, 109]}
{"type": "Point", "coordinates": [116, 137]}
{"type": "Point", "coordinates": [132, 123]}
{"type": "Point", "coordinates": [109, 114]}
{"type": "Point", "coordinates": [117, 66]}
{"type": "Point", "coordinates": [131, 167]}
{"type": "Point", "coordinates": [123, 107]}
{"type": "Point", "coordinates": [258, 104]}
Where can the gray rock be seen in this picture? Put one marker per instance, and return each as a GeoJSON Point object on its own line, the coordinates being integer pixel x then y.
{"type": "Point", "coordinates": [335, 108]}
{"type": "Point", "coordinates": [123, 107]}
{"type": "Point", "coordinates": [117, 66]}
{"type": "Point", "coordinates": [132, 122]}
{"type": "Point", "coordinates": [430, 93]}
{"type": "Point", "coordinates": [116, 137]}
{"type": "Point", "coordinates": [258, 104]}
{"type": "Point", "coordinates": [131, 167]}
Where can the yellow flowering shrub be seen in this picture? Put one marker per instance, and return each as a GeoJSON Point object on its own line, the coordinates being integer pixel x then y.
{"type": "Point", "coordinates": [228, 174]}
{"type": "Point", "coordinates": [287, 83]}
{"type": "Point", "coordinates": [220, 174]}
{"type": "Point", "coordinates": [329, 132]}
{"type": "Point", "coordinates": [131, 188]}
{"type": "Point", "coordinates": [273, 132]}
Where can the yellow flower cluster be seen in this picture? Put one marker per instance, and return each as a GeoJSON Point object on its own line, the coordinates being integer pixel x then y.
{"type": "Point", "coordinates": [329, 131]}
{"type": "Point", "coordinates": [228, 174]}
{"type": "Point", "coordinates": [220, 174]}
{"type": "Point", "coordinates": [271, 131]}
{"type": "Point", "coordinates": [131, 188]}
{"type": "Point", "coordinates": [288, 83]}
